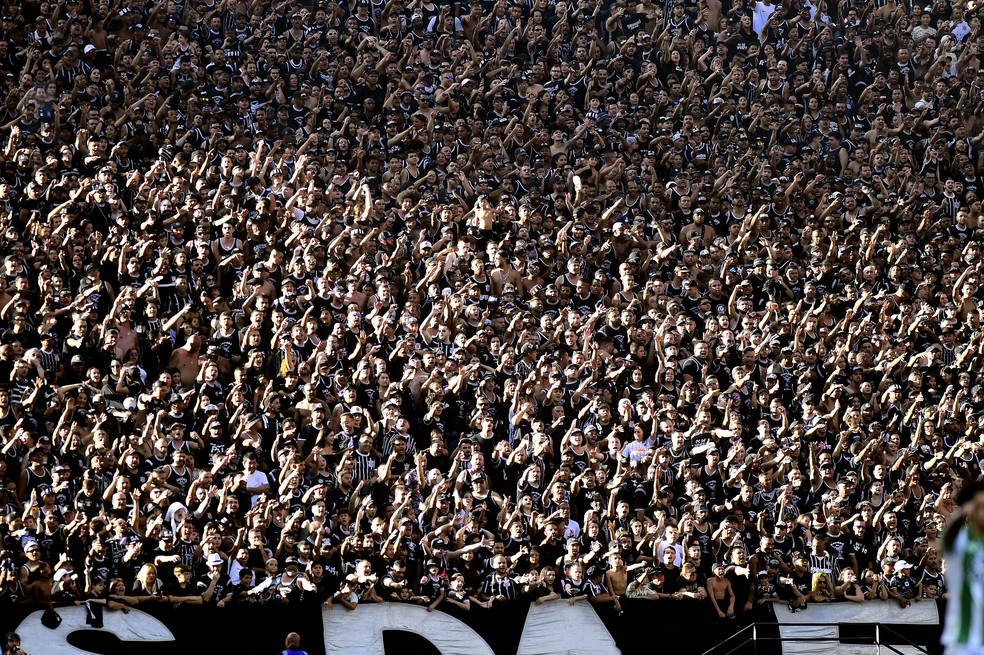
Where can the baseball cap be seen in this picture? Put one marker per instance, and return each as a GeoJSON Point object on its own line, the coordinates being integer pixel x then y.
{"type": "Point", "coordinates": [901, 565]}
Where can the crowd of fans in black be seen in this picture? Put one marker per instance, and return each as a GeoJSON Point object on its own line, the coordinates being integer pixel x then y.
{"type": "Point", "coordinates": [458, 303]}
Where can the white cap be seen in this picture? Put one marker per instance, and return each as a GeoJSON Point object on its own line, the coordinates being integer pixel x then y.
{"type": "Point", "coordinates": [902, 565]}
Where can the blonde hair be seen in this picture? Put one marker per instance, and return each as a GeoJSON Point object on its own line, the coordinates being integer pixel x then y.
{"type": "Point", "coordinates": [819, 577]}
{"type": "Point", "coordinates": [142, 577]}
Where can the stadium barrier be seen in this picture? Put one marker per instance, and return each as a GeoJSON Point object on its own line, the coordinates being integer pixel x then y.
{"type": "Point", "coordinates": [506, 629]}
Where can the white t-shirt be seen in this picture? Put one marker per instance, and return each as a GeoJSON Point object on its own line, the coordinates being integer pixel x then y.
{"type": "Point", "coordinates": [760, 16]}
{"type": "Point", "coordinates": [256, 479]}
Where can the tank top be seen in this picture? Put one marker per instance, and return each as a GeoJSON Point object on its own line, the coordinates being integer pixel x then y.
{"type": "Point", "coordinates": [485, 287]}
{"type": "Point", "coordinates": [411, 177]}
{"type": "Point", "coordinates": [288, 590]}
{"type": "Point", "coordinates": [572, 589]}
{"type": "Point", "coordinates": [40, 481]}
{"type": "Point", "coordinates": [486, 504]}
{"type": "Point", "coordinates": [226, 251]}
{"type": "Point", "coordinates": [179, 480]}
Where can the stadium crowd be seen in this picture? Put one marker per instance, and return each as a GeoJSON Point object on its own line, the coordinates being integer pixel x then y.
{"type": "Point", "coordinates": [461, 303]}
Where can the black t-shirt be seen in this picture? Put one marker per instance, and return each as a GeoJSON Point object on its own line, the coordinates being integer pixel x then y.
{"type": "Point", "coordinates": [189, 589]}
{"type": "Point", "coordinates": [905, 586]}
{"type": "Point", "coordinates": [222, 588]}
{"type": "Point", "coordinates": [165, 570]}
{"type": "Point", "coordinates": [839, 546]}
{"type": "Point", "coordinates": [741, 585]}
{"type": "Point", "coordinates": [88, 505]}
{"type": "Point", "coordinates": [802, 581]}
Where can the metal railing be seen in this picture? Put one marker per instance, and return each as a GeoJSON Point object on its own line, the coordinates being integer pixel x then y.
{"type": "Point", "coordinates": [751, 634]}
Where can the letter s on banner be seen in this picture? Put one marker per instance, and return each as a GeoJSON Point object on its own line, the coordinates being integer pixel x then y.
{"type": "Point", "coordinates": [364, 636]}
{"type": "Point", "coordinates": [136, 626]}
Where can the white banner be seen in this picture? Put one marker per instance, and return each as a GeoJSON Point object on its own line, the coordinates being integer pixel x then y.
{"type": "Point", "coordinates": [556, 627]}
{"type": "Point", "coordinates": [870, 611]}
{"type": "Point", "coordinates": [134, 627]}
{"type": "Point", "coordinates": [806, 623]}
{"type": "Point", "coordinates": [360, 632]}
{"type": "Point", "coordinates": [553, 627]}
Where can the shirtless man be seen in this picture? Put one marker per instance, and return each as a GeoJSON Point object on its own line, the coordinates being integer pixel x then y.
{"type": "Point", "coordinates": [719, 589]}
{"type": "Point", "coordinates": [713, 13]}
{"type": "Point", "coordinates": [187, 360]}
{"type": "Point", "coordinates": [504, 273]}
{"type": "Point", "coordinates": [890, 12]}
{"type": "Point", "coordinates": [484, 215]}
{"type": "Point", "coordinates": [120, 318]}
{"type": "Point", "coordinates": [617, 576]}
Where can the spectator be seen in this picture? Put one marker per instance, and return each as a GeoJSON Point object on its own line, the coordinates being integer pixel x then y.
{"type": "Point", "coordinates": [292, 645]}
{"type": "Point", "coordinates": [12, 643]}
